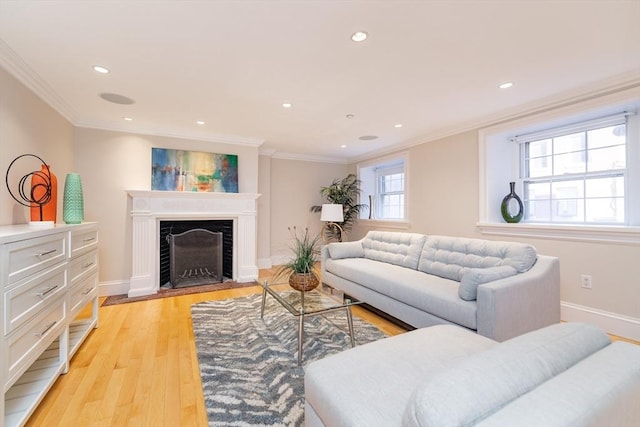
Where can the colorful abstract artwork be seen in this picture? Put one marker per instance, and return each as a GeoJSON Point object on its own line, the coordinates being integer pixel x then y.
{"type": "Point", "coordinates": [178, 170]}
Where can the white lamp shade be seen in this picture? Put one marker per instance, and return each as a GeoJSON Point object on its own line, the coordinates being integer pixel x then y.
{"type": "Point", "coordinates": [332, 213]}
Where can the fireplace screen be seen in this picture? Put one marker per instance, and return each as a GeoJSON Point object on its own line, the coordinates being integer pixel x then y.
{"type": "Point", "coordinates": [195, 258]}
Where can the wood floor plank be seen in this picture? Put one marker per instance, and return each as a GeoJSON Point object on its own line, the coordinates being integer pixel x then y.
{"type": "Point", "coordinates": [140, 367]}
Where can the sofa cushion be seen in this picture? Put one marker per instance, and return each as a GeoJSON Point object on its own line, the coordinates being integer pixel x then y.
{"type": "Point", "coordinates": [346, 250]}
{"type": "Point", "coordinates": [401, 249]}
{"type": "Point", "coordinates": [369, 385]}
{"type": "Point", "coordinates": [473, 277]}
{"type": "Point", "coordinates": [425, 292]}
{"type": "Point", "coordinates": [450, 257]}
{"type": "Point", "coordinates": [601, 390]}
{"type": "Point", "coordinates": [483, 383]}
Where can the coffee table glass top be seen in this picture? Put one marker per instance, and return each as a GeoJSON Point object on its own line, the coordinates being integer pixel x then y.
{"type": "Point", "coordinates": [319, 300]}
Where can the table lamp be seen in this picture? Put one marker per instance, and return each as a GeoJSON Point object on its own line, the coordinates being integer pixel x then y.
{"type": "Point", "coordinates": [332, 214]}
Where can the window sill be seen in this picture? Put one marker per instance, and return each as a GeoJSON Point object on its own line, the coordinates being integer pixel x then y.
{"type": "Point", "coordinates": [386, 223]}
{"type": "Point", "coordinates": [581, 233]}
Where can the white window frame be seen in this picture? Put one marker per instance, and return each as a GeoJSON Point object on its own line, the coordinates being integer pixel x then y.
{"type": "Point", "coordinates": [369, 173]}
{"type": "Point", "coordinates": [581, 127]}
{"type": "Point", "coordinates": [499, 164]}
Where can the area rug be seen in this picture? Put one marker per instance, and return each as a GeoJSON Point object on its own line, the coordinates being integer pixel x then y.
{"type": "Point", "coordinates": [170, 292]}
{"type": "Point", "coordinates": [250, 375]}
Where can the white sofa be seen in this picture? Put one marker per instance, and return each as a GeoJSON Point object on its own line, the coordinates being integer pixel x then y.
{"type": "Point", "coordinates": [497, 289]}
{"type": "Point", "coordinates": [567, 374]}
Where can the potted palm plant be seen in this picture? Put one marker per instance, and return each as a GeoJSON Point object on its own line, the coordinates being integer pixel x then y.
{"type": "Point", "coordinates": [300, 268]}
{"type": "Point", "coordinates": [344, 192]}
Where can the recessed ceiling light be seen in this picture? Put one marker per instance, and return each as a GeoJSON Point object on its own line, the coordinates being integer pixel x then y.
{"type": "Point", "coordinates": [398, 125]}
{"type": "Point", "coordinates": [343, 146]}
{"type": "Point", "coordinates": [101, 70]}
{"type": "Point", "coordinates": [127, 119]}
{"type": "Point", "coordinates": [287, 105]}
{"type": "Point", "coordinates": [200, 122]}
{"type": "Point", "coordinates": [349, 116]}
{"type": "Point", "coordinates": [368, 138]}
{"type": "Point", "coordinates": [505, 85]}
{"type": "Point", "coordinates": [359, 36]}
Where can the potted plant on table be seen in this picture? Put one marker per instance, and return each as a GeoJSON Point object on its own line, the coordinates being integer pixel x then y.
{"type": "Point", "coordinates": [300, 269]}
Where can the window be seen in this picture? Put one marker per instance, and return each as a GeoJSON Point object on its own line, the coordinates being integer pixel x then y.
{"type": "Point", "coordinates": [390, 183]}
{"type": "Point", "coordinates": [576, 174]}
{"type": "Point", "coordinates": [383, 183]}
{"type": "Point", "coordinates": [576, 167]}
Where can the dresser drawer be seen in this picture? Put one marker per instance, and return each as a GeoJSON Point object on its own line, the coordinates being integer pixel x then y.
{"type": "Point", "coordinates": [28, 342]}
{"type": "Point", "coordinates": [83, 241]}
{"type": "Point", "coordinates": [26, 257]}
{"type": "Point", "coordinates": [82, 292]}
{"type": "Point", "coordinates": [82, 267]}
{"type": "Point", "coordinates": [26, 299]}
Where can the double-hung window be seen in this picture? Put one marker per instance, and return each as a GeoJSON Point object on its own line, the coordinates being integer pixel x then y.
{"type": "Point", "coordinates": [390, 182]}
{"type": "Point", "coordinates": [383, 183]}
{"type": "Point", "coordinates": [576, 174]}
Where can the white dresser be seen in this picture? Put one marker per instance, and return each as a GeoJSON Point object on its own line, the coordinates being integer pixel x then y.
{"type": "Point", "coordinates": [49, 288]}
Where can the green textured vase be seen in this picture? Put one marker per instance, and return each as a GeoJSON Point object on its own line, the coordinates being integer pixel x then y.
{"type": "Point", "coordinates": [506, 209]}
{"type": "Point", "coordinates": [73, 201]}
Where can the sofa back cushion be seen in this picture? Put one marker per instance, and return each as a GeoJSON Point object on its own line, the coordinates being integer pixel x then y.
{"type": "Point", "coordinates": [481, 384]}
{"type": "Point", "coordinates": [401, 249]}
{"type": "Point", "coordinates": [451, 257]}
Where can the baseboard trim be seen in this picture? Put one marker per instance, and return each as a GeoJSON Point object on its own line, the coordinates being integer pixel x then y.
{"type": "Point", "coordinates": [115, 287]}
{"type": "Point", "coordinates": [616, 324]}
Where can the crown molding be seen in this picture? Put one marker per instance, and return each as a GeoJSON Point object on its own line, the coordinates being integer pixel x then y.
{"type": "Point", "coordinates": [221, 139]}
{"type": "Point", "coordinates": [308, 158]}
{"type": "Point", "coordinates": [16, 66]}
{"type": "Point", "coordinates": [615, 85]}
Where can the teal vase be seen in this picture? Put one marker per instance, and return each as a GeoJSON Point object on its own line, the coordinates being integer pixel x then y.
{"type": "Point", "coordinates": [73, 201]}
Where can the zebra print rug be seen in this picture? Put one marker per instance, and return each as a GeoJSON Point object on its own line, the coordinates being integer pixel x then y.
{"type": "Point", "coordinates": [248, 365]}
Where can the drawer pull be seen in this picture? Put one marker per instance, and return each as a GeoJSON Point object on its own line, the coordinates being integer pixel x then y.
{"type": "Point", "coordinates": [46, 291]}
{"type": "Point", "coordinates": [49, 326]}
{"type": "Point", "coordinates": [87, 291]}
{"type": "Point", "coordinates": [88, 239]}
{"type": "Point", "coordinates": [46, 252]}
{"type": "Point", "coordinates": [87, 265]}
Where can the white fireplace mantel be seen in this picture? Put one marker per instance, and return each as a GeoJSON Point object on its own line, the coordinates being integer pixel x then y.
{"type": "Point", "coordinates": [150, 207]}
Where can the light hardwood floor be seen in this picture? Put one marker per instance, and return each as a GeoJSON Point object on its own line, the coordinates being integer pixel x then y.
{"type": "Point", "coordinates": [140, 367]}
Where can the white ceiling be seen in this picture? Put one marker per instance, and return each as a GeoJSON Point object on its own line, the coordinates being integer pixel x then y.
{"type": "Point", "coordinates": [433, 66]}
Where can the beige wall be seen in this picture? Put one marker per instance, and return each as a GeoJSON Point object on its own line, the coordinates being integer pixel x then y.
{"type": "Point", "coordinates": [443, 198]}
{"type": "Point", "coordinates": [264, 212]}
{"type": "Point", "coordinates": [443, 195]}
{"type": "Point", "coordinates": [29, 126]}
{"type": "Point", "coordinates": [295, 187]}
{"type": "Point", "coordinates": [110, 163]}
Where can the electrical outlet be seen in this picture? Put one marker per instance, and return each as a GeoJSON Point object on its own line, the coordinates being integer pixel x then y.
{"type": "Point", "coordinates": [585, 281]}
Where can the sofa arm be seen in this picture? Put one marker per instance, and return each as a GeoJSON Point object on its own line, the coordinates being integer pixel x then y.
{"type": "Point", "coordinates": [525, 302]}
{"type": "Point", "coordinates": [324, 255]}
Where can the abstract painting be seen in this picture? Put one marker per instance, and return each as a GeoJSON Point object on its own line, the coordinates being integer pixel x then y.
{"type": "Point", "coordinates": [178, 170]}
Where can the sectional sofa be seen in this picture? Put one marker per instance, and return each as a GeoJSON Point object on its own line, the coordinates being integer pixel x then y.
{"type": "Point", "coordinates": [497, 289]}
{"type": "Point", "coordinates": [568, 374]}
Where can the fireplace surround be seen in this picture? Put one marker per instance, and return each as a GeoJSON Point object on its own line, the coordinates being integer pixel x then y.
{"type": "Point", "coordinates": [148, 208]}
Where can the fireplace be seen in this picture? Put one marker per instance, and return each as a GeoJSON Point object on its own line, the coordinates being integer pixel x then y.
{"type": "Point", "coordinates": [202, 252]}
{"type": "Point", "coordinates": [150, 208]}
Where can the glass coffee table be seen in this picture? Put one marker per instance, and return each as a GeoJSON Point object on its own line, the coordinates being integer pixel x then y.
{"type": "Point", "coordinates": [321, 300]}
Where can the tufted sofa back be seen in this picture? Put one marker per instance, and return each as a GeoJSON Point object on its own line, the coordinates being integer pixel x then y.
{"type": "Point", "coordinates": [452, 257]}
{"type": "Point", "coordinates": [401, 249]}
